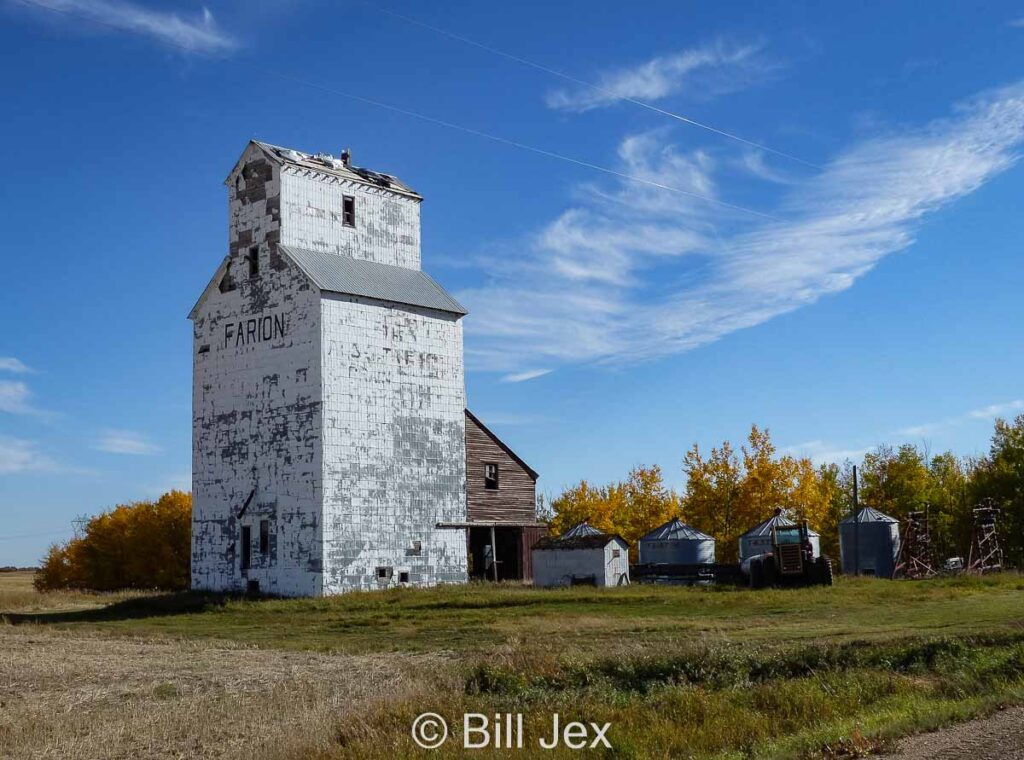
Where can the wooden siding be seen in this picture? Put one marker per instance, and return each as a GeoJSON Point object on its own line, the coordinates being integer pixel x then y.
{"type": "Point", "coordinates": [515, 499]}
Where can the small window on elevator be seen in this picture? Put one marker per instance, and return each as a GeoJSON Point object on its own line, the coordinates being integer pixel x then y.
{"type": "Point", "coordinates": [246, 542]}
{"type": "Point", "coordinates": [348, 211]}
{"type": "Point", "coordinates": [254, 261]}
{"type": "Point", "coordinates": [264, 537]}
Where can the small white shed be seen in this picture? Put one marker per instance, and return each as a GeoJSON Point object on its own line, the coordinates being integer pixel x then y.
{"type": "Point", "coordinates": [582, 555]}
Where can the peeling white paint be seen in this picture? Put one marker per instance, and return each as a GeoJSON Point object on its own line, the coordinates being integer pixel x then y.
{"type": "Point", "coordinates": [348, 428]}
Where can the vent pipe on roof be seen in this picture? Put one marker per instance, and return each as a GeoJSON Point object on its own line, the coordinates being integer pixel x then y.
{"type": "Point", "coordinates": [346, 157]}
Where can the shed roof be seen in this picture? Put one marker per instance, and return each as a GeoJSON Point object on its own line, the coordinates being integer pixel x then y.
{"type": "Point", "coordinates": [337, 273]}
{"type": "Point", "coordinates": [569, 543]}
{"type": "Point", "coordinates": [777, 520]}
{"type": "Point", "coordinates": [868, 515]}
{"type": "Point", "coordinates": [676, 530]}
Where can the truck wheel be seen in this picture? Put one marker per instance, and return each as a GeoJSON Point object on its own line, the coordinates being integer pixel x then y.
{"type": "Point", "coordinates": [756, 573]}
{"type": "Point", "coordinates": [824, 568]}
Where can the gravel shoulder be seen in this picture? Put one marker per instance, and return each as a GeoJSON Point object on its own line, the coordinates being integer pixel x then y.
{"type": "Point", "coordinates": [1000, 736]}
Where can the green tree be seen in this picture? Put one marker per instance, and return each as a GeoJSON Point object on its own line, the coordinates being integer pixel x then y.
{"type": "Point", "coordinates": [1000, 477]}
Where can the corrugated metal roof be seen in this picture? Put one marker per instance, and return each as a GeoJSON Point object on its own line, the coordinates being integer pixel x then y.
{"type": "Point", "coordinates": [337, 273]}
{"type": "Point", "coordinates": [765, 528]}
{"type": "Point", "coordinates": [582, 529]}
{"type": "Point", "coordinates": [676, 530]}
{"type": "Point", "coordinates": [869, 515]}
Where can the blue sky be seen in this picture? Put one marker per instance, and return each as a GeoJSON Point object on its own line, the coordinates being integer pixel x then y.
{"type": "Point", "coordinates": [858, 283]}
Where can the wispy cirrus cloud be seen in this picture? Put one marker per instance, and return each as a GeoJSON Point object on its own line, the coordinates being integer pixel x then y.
{"type": "Point", "coordinates": [711, 69]}
{"type": "Point", "coordinates": [11, 364]}
{"type": "Point", "coordinates": [822, 452]}
{"type": "Point", "coordinates": [989, 412]}
{"type": "Point", "coordinates": [197, 35]}
{"type": "Point", "coordinates": [125, 442]}
{"type": "Point", "coordinates": [1017, 23]}
{"type": "Point", "coordinates": [629, 272]}
{"type": "Point", "coordinates": [16, 398]}
{"type": "Point", "coordinates": [522, 377]}
{"type": "Point", "coordinates": [19, 455]}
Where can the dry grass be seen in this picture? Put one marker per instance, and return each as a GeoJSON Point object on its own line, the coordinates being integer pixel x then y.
{"type": "Point", "coordinates": [66, 695]}
{"type": "Point", "coordinates": [179, 676]}
{"type": "Point", "coordinates": [17, 594]}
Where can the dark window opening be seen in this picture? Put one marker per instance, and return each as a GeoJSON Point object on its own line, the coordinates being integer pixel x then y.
{"type": "Point", "coordinates": [246, 542]}
{"type": "Point", "coordinates": [253, 587]}
{"type": "Point", "coordinates": [264, 536]}
{"type": "Point", "coordinates": [254, 261]}
{"type": "Point", "coordinates": [415, 549]}
{"type": "Point", "coordinates": [491, 477]}
{"type": "Point", "coordinates": [348, 211]}
{"type": "Point", "coordinates": [383, 573]}
{"type": "Point", "coordinates": [403, 577]}
{"type": "Point", "coordinates": [616, 553]}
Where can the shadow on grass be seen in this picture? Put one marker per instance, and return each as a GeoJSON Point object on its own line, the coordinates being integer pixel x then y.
{"type": "Point", "coordinates": [158, 605]}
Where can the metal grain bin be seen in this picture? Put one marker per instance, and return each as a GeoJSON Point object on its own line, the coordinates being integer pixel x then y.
{"type": "Point", "coordinates": [758, 539]}
{"type": "Point", "coordinates": [869, 543]}
{"type": "Point", "coordinates": [676, 543]}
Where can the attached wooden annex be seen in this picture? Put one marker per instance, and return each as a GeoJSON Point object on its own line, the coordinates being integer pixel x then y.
{"type": "Point", "coordinates": [501, 507]}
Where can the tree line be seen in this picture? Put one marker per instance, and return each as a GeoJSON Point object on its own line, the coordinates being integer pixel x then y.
{"type": "Point", "coordinates": [727, 491]}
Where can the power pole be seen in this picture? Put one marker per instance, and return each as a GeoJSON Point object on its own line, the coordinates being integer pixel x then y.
{"type": "Point", "coordinates": [856, 525]}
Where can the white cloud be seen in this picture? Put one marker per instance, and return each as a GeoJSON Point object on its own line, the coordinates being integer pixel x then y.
{"type": "Point", "coordinates": [10, 364]}
{"type": "Point", "coordinates": [997, 410]}
{"type": "Point", "coordinates": [631, 273]}
{"type": "Point", "coordinates": [989, 412]}
{"type": "Point", "coordinates": [125, 442]}
{"type": "Point", "coordinates": [15, 398]}
{"type": "Point", "coordinates": [18, 455]}
{"type": "Point", "coordinates": [755, 163]}
{"type": "Point", "coordinates": [821, 452]}
{"type": "Point", "coordinates": [711, 69]}
{"type": "Point", "coordinates": [521, 377]}
{"type": "Point", "coordinates": [200, 35]}
{"type": "Point", "coordinates": [1018, 23]}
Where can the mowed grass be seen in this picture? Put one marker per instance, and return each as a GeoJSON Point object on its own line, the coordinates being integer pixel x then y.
{"type": "Point", "coordinates": [677, 672]}
{"type": "Point", "coordinates": [476, 619]}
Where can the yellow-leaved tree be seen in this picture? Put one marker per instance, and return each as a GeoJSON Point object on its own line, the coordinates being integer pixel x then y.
{"type": "Point", "coordinates": [629, 508]}
{"type": "Point", "coordinates": [726, 494]}
{"type": "Point", "coordinates": [145, 544]}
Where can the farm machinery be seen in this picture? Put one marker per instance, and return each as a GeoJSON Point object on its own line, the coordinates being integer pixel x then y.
{"type": "Point", "coordinates": [790, 561]}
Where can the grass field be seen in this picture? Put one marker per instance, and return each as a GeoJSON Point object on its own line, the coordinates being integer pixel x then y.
{"type": "Point", "coordinates": [678, 672]}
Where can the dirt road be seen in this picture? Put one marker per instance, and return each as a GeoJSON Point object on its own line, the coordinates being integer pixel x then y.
{"type": "Point", "coordinates": [999, 737]}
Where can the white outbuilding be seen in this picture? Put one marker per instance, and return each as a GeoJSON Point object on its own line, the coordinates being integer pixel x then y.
{"type": "Point", "coordinates": [582, 555]}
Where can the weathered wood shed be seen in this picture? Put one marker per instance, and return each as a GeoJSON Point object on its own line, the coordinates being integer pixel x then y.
{"type": "Point", "coordinates": [501, 507]}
